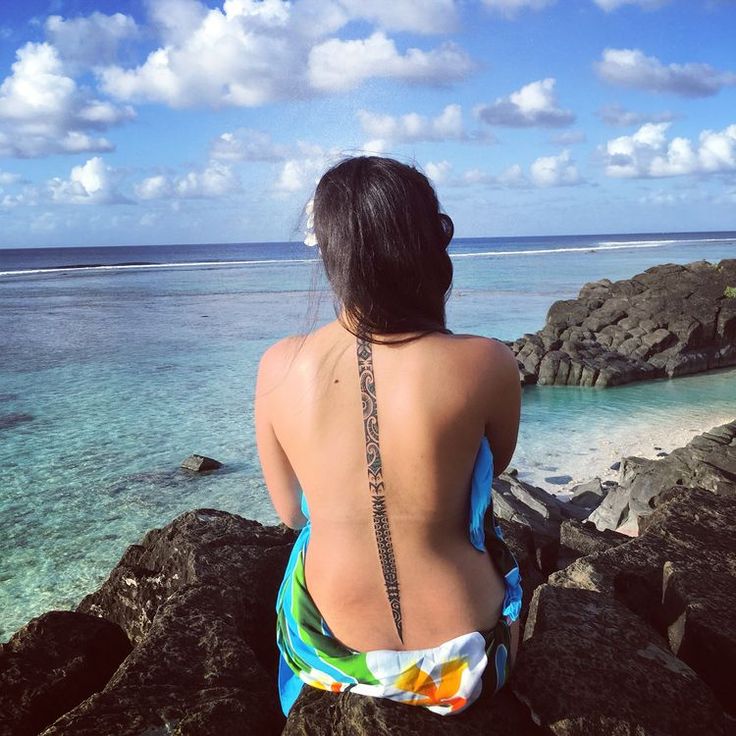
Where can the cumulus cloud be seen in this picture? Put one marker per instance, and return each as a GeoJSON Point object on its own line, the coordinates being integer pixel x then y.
{"type": "Point", "coordinates": [216, 179]}
{"type": "Point", "coordinates": [91, 40]}
{"type": "Point", "coordinates": [648, 153]}
{"type": "Point", "coordinates": [413, 127]}
{"type": "Point", "coordinates": [632, 68]}
{"type": "Point", "coordinates": [338, 66]}
{"type": "Point", "coordinates": [43, 111]}
{"type": "Point", "coordinates": [90, 183]}
{"type": "Point", "coordinates": [302, 171]}
{"type": "Point", "coordinates": [416, 16]}
{"type": "Point", "coordinates": [510, 8]}
{"type": "Point", "coordinates": [438, 171]}
{"type": "Point", "coordinates": [621, 117]}
{"type": "Point", "coordinates": [252, 52]}
{"type": "Point", "coordinates": [245, 144]}
{"type": "Point", "coordinates": [609, 5]}
{"type": "Point", "coordinates": [547, 171]}
{"type": "Point", "coordinates": [8, 178]}
{"type": "Point", "coordinates": [555, 171]}
{"type": "Point", "coordinates": [534, 105]}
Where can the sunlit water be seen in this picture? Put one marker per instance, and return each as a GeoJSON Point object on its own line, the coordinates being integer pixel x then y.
{"type": "Point", "coordinates": [110, 377]}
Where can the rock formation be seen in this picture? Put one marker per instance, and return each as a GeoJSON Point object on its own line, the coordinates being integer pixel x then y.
{"type": "Point", "coordinates": [707, 461]}
{"type": "Point", "coordinates": [670, 320]}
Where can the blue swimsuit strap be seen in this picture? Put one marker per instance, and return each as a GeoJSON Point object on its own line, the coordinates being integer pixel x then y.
{"type": "Point", "coordinates": [375, 480]}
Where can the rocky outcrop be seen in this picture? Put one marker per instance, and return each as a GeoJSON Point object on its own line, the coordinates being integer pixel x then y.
{"type": "Point", "coordinates": [651, 621]}
{"type": "Point", "coordinates": [670, 320]}
{"type": "Point", "coordinates": [197, 600]}
{"type": "Point", "coordinates": [53, 663]}
{"type": "Point", "coordinates": [707, 461]}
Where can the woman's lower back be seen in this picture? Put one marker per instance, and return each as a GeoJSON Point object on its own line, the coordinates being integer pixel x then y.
{"type": "Point", "coordinates": [447, 587]}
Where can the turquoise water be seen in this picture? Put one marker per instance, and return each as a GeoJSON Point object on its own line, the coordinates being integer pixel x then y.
{"type": "Point", "coordinates": [113, 377]}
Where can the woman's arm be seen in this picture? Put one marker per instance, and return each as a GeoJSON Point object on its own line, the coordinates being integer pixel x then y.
{"type": "Point", "coordinates": [281, 480]}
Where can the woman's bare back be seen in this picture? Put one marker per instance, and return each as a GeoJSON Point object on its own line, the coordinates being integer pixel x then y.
{"type": "Point", "coordinates": [437, 396]}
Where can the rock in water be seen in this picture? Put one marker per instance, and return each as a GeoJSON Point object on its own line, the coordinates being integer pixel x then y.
{"type": "Point", "coordinates": [52, 664]}
{"type": "Point", "coordinates": [200, 463]}
{"type": "Point", "coordinates": [668, 321]}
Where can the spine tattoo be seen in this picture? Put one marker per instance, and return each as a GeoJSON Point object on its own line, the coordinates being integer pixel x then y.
{"type": "Point", "coordinates": [375, 480]}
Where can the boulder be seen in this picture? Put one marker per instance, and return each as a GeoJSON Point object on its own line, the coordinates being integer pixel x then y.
{"type": "Point", "coordinates": [707, 461]}
{"type": "Point", "coordinates": [53, 663]}
{"type": "Point", "coordinates": [650, 621]}
{"type": "Point", "coordinates": [197, 600]}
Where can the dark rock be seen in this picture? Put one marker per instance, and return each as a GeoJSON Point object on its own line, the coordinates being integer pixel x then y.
{"type": "Point", "coordinates": [588, 494]}
{"type": "Point", "coordinates": [52, 664]}
{"type": "Point", "coordinates": [200, 463]}
{"type": "Point", "coordinates": [670, 321]}
{"type": "Point", "coordinates": [582, 538]}
{"type": "Point", "coordinates": [615, 466]}
{"type": "Point", "coordinates": [197, 599]}
{"type": "Point", "coordinates": [319, 713]}
{"type": "Point", "coordinates": [707, 461]}
{"type": "Point", "coordinates": [633, 684]}
{"type": "Point", "coordinates": [558, 480]}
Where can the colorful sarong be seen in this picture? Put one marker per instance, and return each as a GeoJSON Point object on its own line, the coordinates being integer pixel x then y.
{"type": "Point", "coordinates": [445, 679]}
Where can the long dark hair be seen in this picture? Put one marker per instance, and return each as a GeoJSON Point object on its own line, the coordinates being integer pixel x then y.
{"type": "Point", "coordinates": [384, 243]}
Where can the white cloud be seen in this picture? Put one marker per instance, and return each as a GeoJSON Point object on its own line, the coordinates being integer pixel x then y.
{"type": "Point", "coordinates": [338, 66]}
{"type": "Point", "coordinates": [510, 8]}
{"type": "Point", "coordinates": [534, 105]}
{"type": "Point", "coordinates": [632, 68]}
{"type": "Point", "coordinates": [620, 116]}
{"type": "Point", "coordinates": [412, 127]}
{"type": "Point", "coordinates": [7, 178]}
{"type": "Point", "coordinates": [245, 144]}
{"type": "Point", "coordinates": [215, 180]}
{"type": "Point", "coordinates": [438, 172]}
{"type": "Point", "coordinates": [249, 52]}
{"type": "Point", "coordinates": [648, 153]}
{"type": "Point", "coordinates": [416, 16]}
{"type": "Point", "coordinates": [303, 170]}
{"type": "Point", "coordinates": [91, 183]}
{"type": "Point", "coordinates": [609, 5]}
{"type": "Point", "coordinates": [544, 172]}
{"type": "Point", "coordinates": [555, 171]}
{"type": "Point", "coordinates": [91, 40]}
{"type": "Point", "coordinates": [42, 111]}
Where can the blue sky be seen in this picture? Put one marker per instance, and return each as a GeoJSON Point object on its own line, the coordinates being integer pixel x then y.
{"type": "Point", "coordinates": [171, 121]}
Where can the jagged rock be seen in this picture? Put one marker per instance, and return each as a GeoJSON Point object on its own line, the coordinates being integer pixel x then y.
{"type": "Point", "coordinates": [588, 494]}
{"type": "Point", "coordinates": [707, 461]}
{"type": "Point", "coordinates": [318, 713]}
{"type": "Point", "coordinates": [670, 321]}
{"type": "Point", "coordinates": [611, 615]}
{"type": "Point", "coordinates": [679, 576]}
{"type": "Point", "coordinates": [52, 664]}
{"type": "Point", "coordinates": [197, 599]}
{"type": "Point", "coordinates": [200, 463]}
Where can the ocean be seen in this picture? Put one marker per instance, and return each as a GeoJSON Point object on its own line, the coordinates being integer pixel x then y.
{"type": "Point", "coordinates": [118, 362]}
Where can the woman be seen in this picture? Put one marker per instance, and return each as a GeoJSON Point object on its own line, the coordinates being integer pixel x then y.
{"type": "Point", "coordinates": [391, 589]}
